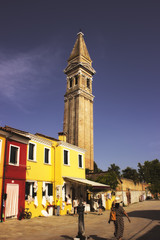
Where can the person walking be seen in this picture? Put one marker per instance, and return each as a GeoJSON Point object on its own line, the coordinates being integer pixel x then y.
{"type": "Point", "coordinates": [119, 222]}
{"type": "Point", "coordinates": [75, 205]}
{"type": "Point", "coordinates": [58, 205]}
{"type": "Point", "coordinates": [100, 204]}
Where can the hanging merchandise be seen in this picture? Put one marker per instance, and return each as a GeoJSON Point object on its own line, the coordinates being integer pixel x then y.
{"type": "Point", "coordinates": [36, 201]}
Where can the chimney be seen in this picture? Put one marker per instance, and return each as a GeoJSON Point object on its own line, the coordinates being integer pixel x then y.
{"type": "Point", "coordinates": [62, 136]}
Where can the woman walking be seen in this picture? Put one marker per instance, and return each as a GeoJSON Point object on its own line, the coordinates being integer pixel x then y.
{"type": "Point", "coordinates": [58, 205]}
{"type": "Point", "coordinates": [119, 222]}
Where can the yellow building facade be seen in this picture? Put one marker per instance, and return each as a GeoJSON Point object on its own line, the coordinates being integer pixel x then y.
{"type": "Point", "coordinates": [39, 175]}
{"type": "Point", "coordinates": [69, 163]}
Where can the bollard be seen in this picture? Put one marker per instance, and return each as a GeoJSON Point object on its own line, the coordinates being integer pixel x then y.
{"type": "Point", "coordinates": [81, 229]}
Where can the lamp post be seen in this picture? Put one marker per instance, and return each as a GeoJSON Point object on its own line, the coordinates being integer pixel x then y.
{"type": "Point", "coordinates": [81, 229]}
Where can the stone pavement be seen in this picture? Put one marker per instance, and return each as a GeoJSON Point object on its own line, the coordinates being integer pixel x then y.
{"type": "Point", "coordinates": [145, 225]}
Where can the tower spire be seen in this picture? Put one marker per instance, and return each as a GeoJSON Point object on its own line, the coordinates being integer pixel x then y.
{"type": "Point", "coordinates": [80, 55]}
{"type": "Point", "coordinates": [80, 50]}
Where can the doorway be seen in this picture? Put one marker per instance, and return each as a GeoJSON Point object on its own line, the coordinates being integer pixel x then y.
{"type": "Point", "coordinates": [12, 200]}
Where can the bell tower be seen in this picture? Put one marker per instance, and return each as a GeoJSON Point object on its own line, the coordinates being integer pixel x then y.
{"type": "Point", "coordinates": [78, 100]}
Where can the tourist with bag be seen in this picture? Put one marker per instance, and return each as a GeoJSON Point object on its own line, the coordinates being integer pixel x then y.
{"type": "Point", "coordinates": [119, 222]}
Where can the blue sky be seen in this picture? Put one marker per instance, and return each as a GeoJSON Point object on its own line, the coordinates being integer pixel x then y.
{"type": "Point", "coordinates": [123, 40]}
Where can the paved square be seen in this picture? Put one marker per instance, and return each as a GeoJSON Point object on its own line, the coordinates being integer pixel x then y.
{"type": "Point", "coordinates": [145, 225]}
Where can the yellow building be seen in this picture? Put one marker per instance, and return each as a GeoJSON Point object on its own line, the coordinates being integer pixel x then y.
{"type": "Point", "coordinates": [39, 175]}
{"type": "Point", "coordinates": [69, 165]}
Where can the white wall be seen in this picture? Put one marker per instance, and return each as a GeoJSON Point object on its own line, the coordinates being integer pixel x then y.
{"type": "Point", "coordinates": [135, 196]}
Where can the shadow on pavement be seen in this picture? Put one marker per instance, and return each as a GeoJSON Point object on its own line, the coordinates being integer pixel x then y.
{"type": "Point", "coordinates": [66, 237]}
{"type": "Point", "coordinates": [93, 213]}
{"type": "Point", "coordinates": [150, 214]}
{"type": "Point", "coordinates": [95, 237]}
{"type": "Point", "coordinates": [153, 234]}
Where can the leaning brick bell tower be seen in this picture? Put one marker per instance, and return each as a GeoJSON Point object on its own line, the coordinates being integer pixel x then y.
{"type": "Point", "coordinates": [78, 100]}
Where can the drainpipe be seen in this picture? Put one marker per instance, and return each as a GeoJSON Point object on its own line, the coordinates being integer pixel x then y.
{"type": "Point", "coordinates": [4, 174]}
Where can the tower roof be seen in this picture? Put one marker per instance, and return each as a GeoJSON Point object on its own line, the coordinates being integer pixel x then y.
{"type": "Point", "coordinates": [79, 57]}
{"type": "Point", "coordinates": [80, 48]}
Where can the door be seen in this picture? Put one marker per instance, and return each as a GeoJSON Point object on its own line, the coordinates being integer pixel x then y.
{"type": "Point", "coordinates": [12, 200]}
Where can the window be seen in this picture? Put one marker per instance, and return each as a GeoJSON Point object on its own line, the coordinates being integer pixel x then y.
{"type": "Point", "coordinates": [14, 155]}
{"type": "Point", "coordinates": [88, 83]}
{"type": "Point", "coordinates": [32, 152]}
{"type": "Point", "coordinates": [30, 190]}
{"type": "Point", "coordinates": [76, 80]}
{"type": "Point", "coordinates": [47, 156]}
{"type": "Point", "coordinates": [50, 189]}
{"type": "Point", "coordinates": [47, 190]}
{"type": "Point", "coordinates": [70, 82]}
{"type": "Point", "coordinates": [66, 157]}
{"type": "Point", "coordinates": [80, 161]}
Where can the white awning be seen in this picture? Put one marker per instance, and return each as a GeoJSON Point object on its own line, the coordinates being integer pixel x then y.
{"type": "Point", "coordinates": [86, 182]}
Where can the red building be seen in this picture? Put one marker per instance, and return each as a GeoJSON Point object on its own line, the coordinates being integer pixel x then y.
{"type": "Point", "coordinates": [14, 174]}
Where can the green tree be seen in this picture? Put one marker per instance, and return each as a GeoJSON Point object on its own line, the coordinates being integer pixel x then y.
{"type": "Point", "coordinates": [87, 170]}
{"type": "Point", "coordinates": [96, 169]}
{"type": "Point", "coordinates": [109, 178]}
{"type": "Point", "coordinates": [131, 173]}
{"type": "Point", "coordinates": [150, 173]}
{"type": "Point", "coordinates": [116, 169]}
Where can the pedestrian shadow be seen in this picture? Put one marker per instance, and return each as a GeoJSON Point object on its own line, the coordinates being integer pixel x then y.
{"type": "Point", "coordinates": [150, 214]}
{"type": "Point", "coordinates": [91, 237]}
{"type": "Point", "coordinates": [93, 213]}
{"type": "Point", "coordinates": [152, 234]}
{"type": "Point", "coordinates": [67, 237]}
{"type": "Point", "coordinates": [95, 237]}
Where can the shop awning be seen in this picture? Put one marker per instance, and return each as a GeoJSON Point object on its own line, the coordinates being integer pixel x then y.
{"type": "Point", "coordinates": [87, 182]}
